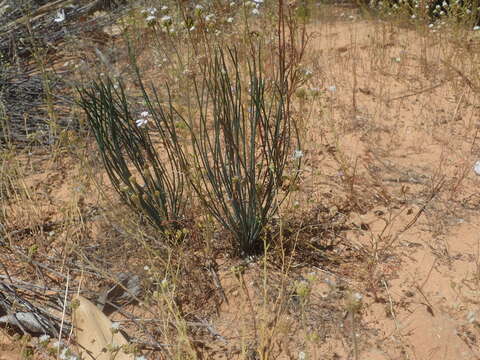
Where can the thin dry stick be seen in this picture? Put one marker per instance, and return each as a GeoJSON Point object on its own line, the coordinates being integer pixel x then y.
{"type": "Point", "coordinates": [392, 311]}
{"type": "Point", "coordinates": [416, 92]}
{"type": "Point", "coordinates": [63, 314]}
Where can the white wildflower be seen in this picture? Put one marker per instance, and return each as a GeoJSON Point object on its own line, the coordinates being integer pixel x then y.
{"type": "Point", "coordinates": [308, 73]}
{"type": "Point", "coordinates": [297, 154]}
{"type": "Point", "coordinates": [430, 26]}
{"type": "Point", "coordinates": [164, 283]}
{"type": "Point", "coordinates": [302, 355]}
{"type": "Point", "coordinates": [44, 338]}
{"type": "Point", "coordinates": [57, 344]}
{"type": "Point", "coordinates": [144, 114]}
{"type": "Point", "coordinates": [255, 11]}
{"type": "Point", "coordinates": [358, 297]}
{"type": "Point", "coordinates": [209, 17]}
{"type": "Point", "coordinates": [141, 122]}
{"type": "Point", "coordinates": [199, 7]}
{"type": "Point", "coordinates": [60, 16]}
{"type": "Point", "coordinates": [164, 8]}
{"type": "Point", "coordinates": [166, 19]}
{"type": "Point", "coordinates": [232, 4]}
{"type": "Point", "coordinates": [150, 18]}
{"type": "Point", "coordinates": [152, 10]}
{"type": "Point", "coordinates": [192, 28]}
{"type": "Point", "coordinates": [146, 268]}
{"type": "Point", "coordinates": [476, 167]}
{"type": "Point", "coordinates": [476, 27]}
{"type": "Point", "coordinates": [414, 16]}
{"type": "Point", "coordinates": [230, 20]}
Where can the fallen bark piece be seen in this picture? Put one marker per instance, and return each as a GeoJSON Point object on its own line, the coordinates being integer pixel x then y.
{"type": "Point", "coordinates": [96, 335]}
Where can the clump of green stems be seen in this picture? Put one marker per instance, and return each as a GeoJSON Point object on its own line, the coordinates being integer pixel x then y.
{"type": "Point", "coordinates": [242, 145]}
{"type": "Point", "coordinates": [241, 142]}
{"type": "Point", "coordinates": [138, 159]}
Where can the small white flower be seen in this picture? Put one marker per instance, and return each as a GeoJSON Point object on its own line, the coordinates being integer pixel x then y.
{"type": "Point", "coordinates": [209, 17]}
{"type": "Point", "coordinates": [141, 122]}
{"type": "Point", "coordinates": [146, 268]}
{"type": "Point", "coordinates": [357, 296]}
{"type": "Point", "coordinates": [397, 59]}
{"type": "Point", "coordinates": [258, 1]}
{"type": "Point", "coordinates": [152, 10]}
{"type": "Point", "coordinates": [469, 11]}
{"type": "Point", "coordinates": [44, 338]}
{"type": "Point", "coordinates": [297, 154]}
{"type": "Point", "coordinates": [302, 355]}
{"type": "Point", "coordinates": [414, 16]}
{"type": "Point", "coordinates": [430, 26]}
{"type": "Point", "coordinates": [60, 16]}
{"type": "Point", "coordinates": [476, 167]}
{"type": "Point", "coordinates": [150, 18]}
{"type": "Point", "coordinates": [476, 27]}
{"type": "Point", "coordinates": [442, 13]}
{"type": "Point", "coordinates": [198, 7]}
{"type": "Point", "coordinates": [164, 8]}
{"type": "Point", "coordinates": [232, 4]}
{"type": "Point", "coordinates": [57, 344]}
{"type": "Point", "coordinates": [444, 4]}
{"type": "Point", "coordinates": [144, 114]}
{"type": "Point", "coordinates": [255, 11]}
{"type": "Point", "coordinates": [166, 19]}
{"type": "Point", "coordinates": [230, 20]}
{"type": "Point", "coordinates": [192, 28]}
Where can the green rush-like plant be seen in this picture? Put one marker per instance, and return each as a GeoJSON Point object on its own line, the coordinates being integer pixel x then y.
{"type": "Point", "coordinates": [243, 140]}
{"type": "Point", "coordinates": [137, 153]}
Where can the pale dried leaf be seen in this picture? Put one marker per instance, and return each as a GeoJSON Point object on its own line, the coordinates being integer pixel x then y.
{"type": "Point", "coordinates": [94, 333]}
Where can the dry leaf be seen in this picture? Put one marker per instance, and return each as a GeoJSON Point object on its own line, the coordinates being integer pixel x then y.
{"type": "Point", "coordinates": [95, 335]}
